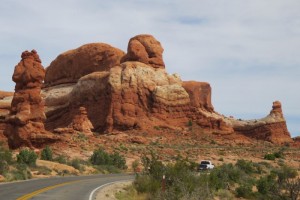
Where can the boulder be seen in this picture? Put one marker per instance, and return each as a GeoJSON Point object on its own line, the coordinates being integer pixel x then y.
{"type": "Point", "coordinates": [70, 66]}
{"type": "Point", "coordinates": [145, 49]}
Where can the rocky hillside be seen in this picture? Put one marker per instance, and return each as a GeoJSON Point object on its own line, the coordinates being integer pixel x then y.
{"type": "Point", "coordinates": [107, 90]}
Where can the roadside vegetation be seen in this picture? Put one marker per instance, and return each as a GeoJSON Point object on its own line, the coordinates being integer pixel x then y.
{"type": "Point", "coordinates": [243, 179]}
{"type": "Point", "coordinates": [23, 164]}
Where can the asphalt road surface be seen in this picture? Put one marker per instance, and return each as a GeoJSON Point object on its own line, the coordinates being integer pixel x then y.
{"type": "Point", "coordinates": [58, 188]}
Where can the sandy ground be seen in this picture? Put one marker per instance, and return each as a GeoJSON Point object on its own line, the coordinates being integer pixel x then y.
{"type": "Point", "coordinates": [108, 192]}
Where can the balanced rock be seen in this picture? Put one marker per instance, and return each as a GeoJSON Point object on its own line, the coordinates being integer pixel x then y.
{"type": "Point", "coordinates": [145, 49]}
{"type": "Point", "coordinates": [69, 66]}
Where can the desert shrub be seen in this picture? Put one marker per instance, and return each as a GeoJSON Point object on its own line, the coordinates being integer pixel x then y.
{"type": "Point", "coordinates": [223, 176]}
{"type": "Point", "coordinates": [27, 157]}
{"type": "Point", "coordinates": [180, 180]}
{"type": "Point", "coordinates": [244, 190]}
{"type": "Point", "coordinates": [20, 173]}
{"type": "Point", "coordinates": [224, 194]}
{"type": "Point", "coordinates": [62, 159]}
{"type": "Point", "coordinates": [135, 165]}
{"type": "Point", "coordinates": [5, 159]}
{"type": "Point", "coordinates": [270, 156]}
{"type": "Point", "coordinates": [5, 155]}
{"type": "Point", "coordinates": [118, 160]}
{"type": "Point", "coordinates": [246, 166]}
{"type": "Point", "coordinates": [266, 183]}
{"type": "Point", "coordinates": [146, 184]}
{"type": "Point", "coordinates": [42, 170]}
{"type": "Point", "coordinates": [101, 157]}
{"type": "Point", "coordinates": [46, 154]}
{"type": "Point", "coordinates": [77, 164]}
{"type": "Point", "coordinates": [107, 169]}
{"type": "Point", "coordinates": [284, 173]}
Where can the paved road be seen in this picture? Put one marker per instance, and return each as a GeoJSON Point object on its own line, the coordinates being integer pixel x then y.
{"type": "Point", "coordinates": [58, 188]}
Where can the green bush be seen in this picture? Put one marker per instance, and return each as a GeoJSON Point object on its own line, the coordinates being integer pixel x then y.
{"type": "Point", "coordinates": [46, 154]}
{"type": "Point", "coordinates": [77, 164]}
{"type": "Point", "coordinates": [180, 180]}
{"type": "Point", "coordinates": [27, 157]}
{"type": "Point", "coordinates": [5, 155]}
{"type": "Point", "coordinates": [246, 166]}
{"type": "Point", "coordinates": [135, 165]}
{"type": "Point", "coordinates": [146, 184]}
{"type": "Point", "coordinates": [266, 184]}
{"type": "Point", "coordinates": [62, 159]}
{"type": "Point", "coordinates": [4, 167]}
{"type": "Point", "coordinates": [118, 160]}
{"type": "Point", "coordinates": [223, 176]}
{"type": "Point", "coordinates": [101, 157]}
{"type": "Point", "coordinates": [270, 156]}
{"type": "Point", "coordinates": [244, 190]}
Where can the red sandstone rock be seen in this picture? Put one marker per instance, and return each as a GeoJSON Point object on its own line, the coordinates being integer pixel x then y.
{"type": "Point", "coordinates": [5, 103]}
{"type": "Point", "coordinates": [200, 94]}
{"type": "Point", "coordinates": [25, 127]}
{"type": "Point", "coordinates": [4, 94]}
{"type": "Point", "coordinates": [27, 102]}
{"type": "Point", "coordinates": [141, 95]}
{"type": "Point", "coordinates": [271, 128]}
{"type": "Point", "coordinates": [82, 123]}
{"type": "Point", "coordinates": [135, 95]}
{"type": "Point", "coordinates": [68, 67]}
{"type": "Point", "coordinates": [145, 49]}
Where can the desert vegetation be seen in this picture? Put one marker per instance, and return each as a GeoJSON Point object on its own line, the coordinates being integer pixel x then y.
{"type": "Point", "coordinates": [23, 165]}
{"type": "Point", "coordinates": [243, 179]}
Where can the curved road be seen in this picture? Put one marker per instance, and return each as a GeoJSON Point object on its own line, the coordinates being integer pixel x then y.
{"type": "Point", "coordinates": [58, 188]}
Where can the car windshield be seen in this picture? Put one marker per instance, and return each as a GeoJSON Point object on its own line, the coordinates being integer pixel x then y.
{"type": "Point", "coordinates": [204, 163]}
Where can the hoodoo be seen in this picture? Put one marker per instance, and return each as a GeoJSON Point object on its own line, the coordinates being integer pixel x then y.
{"type": "Point", "coordinates": [25, 125]}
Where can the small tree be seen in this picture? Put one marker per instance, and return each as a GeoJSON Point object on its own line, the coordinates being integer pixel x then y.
{"type": "Point", "coordinates": [46, 154]}
{"type": "Point", "coordinates": [27, 157]}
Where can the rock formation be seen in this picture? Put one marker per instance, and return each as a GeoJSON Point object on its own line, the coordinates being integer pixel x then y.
{"type": "Point", "coordinates": [136, 95]}
{"type": "Point", "coordinates": [68, 67]}
{"type": "Point", "coordinates": [25, 122]}
{"type": "Point", "coordinates": [5, 104]}
{"type": "Point", "coordinates": [145, 49]}
{"type": "Point", "coordinates": [134, 91]}
{"type": "Point", "coordinates": [271, 128]}
{"type": "Point", "coordinates": [81, 122]}
{"type": "Point", "coordinates": [200, 94]}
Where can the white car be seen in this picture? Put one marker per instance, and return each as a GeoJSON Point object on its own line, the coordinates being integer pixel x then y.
{"type": "Point", "coordinates": [205, 164]}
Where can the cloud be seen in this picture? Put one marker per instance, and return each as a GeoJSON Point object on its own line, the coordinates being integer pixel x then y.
{"type": "Point", "coordinates": [247, 50]}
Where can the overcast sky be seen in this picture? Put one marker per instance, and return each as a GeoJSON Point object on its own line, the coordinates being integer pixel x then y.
{"type": "Point", "coordinates": [248, 50]}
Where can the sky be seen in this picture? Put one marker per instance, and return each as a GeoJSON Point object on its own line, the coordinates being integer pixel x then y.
{"type": "Point", "coordinates": [248, 50]}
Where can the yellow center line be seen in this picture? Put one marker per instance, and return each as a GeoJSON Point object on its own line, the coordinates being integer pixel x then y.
{"type": "Point", "coordinates": [34, 193]}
